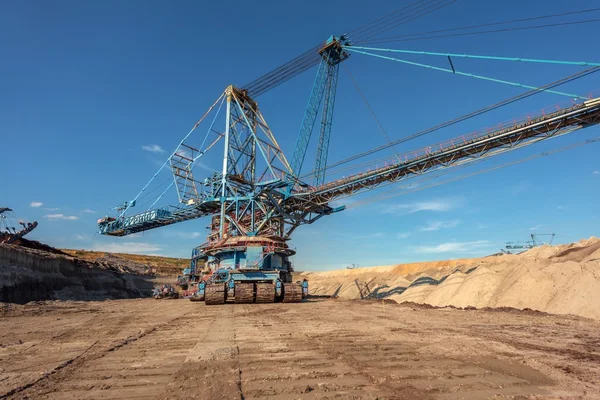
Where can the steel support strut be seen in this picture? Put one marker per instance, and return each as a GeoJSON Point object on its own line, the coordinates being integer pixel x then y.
{"type": "Point", "coordinates": [310, 117]}
{"type": "Point", "coordinates": [326, 120]}
{"type": "Point", "coordinates": [225, 160]}
{"type": "Point", "coordinates": [332, 53]}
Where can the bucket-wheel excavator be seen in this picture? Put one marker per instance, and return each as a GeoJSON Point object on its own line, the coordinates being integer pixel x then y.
{"type": "Point", "coordinates": [13, 228]}
{"type": "Point", "coordinates": [259, 198]}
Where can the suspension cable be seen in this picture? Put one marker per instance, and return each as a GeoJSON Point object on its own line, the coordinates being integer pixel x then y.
{"type": "Point", "coordinates": [380, 20]}
{"type": "Point", "coordinates": [417, 12]}
{"type": "Point", "coordinates": [495, 58]}
{"type": "Point", "coordinates": [364, 98]}
{"type": "Point", "coordinates": [392, 39]}
{"type": "Point", "coordinates": [129, 205]}
{"type": "Point", "coordinates": [496, 23]}
{"type": "Point", "coordinates": [202, 152]}
{"type": "Point", "coordinates": [311, 57]}
{"type": "Point", "coordinates": [380, 196]}
{"type": "Point", "coordinates": [473, 114]}
{"type": "Point", "coordinates": [572, 96]}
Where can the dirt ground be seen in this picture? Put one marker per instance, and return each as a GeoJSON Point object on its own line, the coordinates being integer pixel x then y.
{"type": "Point", "coordinates": [321, 349]}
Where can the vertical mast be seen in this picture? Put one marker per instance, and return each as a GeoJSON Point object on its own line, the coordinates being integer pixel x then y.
{"type": "Point", "coordinates": [225, 159]}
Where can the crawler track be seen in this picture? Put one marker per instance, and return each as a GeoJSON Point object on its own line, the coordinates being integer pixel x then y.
{"type": "Point", "coordinates": [265, 293]}
{"type": "Point", "coordinates": [244, 293]}
{"type": "Point", "coordinates": [215, 294]}
{"type": "Point", "coordinates": [292, 293]}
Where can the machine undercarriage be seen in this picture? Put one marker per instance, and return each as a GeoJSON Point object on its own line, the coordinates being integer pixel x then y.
{"type": "Point", "coordinates": [247, 270]}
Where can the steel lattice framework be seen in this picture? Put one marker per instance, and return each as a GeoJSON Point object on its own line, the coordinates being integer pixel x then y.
{"type": "Point", "coordinates": [259, 195]}
{"type": "Point", "coordinates": [278, 205]}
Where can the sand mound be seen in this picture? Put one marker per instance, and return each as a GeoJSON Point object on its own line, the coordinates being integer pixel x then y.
{"type": "Point", "coordinates": [561, 279]}
{"type": "Point", "coordinates": [583, 251]}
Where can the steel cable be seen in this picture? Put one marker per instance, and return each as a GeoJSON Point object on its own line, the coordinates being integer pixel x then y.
{"type": "Point", "coordinates": [434, 6]}
{"type": "Point", "coordinates": [387, 195]}
{"type": "Point", "coordinates": [389, 40]}
{"type": "Point", "coordinates": [473, 114]}
{"type": "Point", "coordinates": [498, 23]}
{"type": "Point", "coordinates": [361, 28]}
{"type": "Point", "coordinates": [311, 57]}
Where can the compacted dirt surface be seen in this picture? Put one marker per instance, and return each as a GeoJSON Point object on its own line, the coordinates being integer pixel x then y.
{"type": "Point", "coordinates": [320, 349]}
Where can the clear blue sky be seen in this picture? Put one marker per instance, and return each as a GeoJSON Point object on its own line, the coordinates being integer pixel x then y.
{"type": "Point", "coordinates": [85, 86]}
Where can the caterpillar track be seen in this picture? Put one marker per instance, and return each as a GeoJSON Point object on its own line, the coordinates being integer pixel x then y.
{"type": "Point", "coordinates": [250, 292]}
{"type": "Point", "coordinates": [215, 294]}
{"type": "Point", "coordinates": [292, 293]}
{"type": "Point", "coordinates": [244, 293]}
{"type": "Point", "coordinates": [265, 293]}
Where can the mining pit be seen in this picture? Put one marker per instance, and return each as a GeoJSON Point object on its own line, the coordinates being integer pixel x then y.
{"type": "Point", "coordinates": [506, 327]}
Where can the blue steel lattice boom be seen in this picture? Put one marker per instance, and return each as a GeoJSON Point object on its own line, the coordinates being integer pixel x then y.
{"type": "Point", "coordinates": [259, 199]}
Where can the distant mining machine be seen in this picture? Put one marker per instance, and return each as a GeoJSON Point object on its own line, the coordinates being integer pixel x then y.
{"type": "Point", "coordinates": [13, 228]}
{"type": "Point", "coordinates": [535, 241]}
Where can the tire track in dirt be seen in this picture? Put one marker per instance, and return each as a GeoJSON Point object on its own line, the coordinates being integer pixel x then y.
{"type": "Point", "coordinates": [431, 362]}
{"type": "Point", "coordinates": [325, 349]}
{"type": "Point", "coordinates": [69, 370]}
{"type": "Point", "coordinates": [277, 362]}
{"type": "Point", "coordinates": [319, 353]}
{"type": "Point", "coordinates": [45, 375]}
{"type": "Point", "coordinates": [211, 368]}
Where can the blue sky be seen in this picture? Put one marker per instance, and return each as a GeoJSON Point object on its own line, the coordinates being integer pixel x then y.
{"type": "Point", "coordinates": [96, 94]}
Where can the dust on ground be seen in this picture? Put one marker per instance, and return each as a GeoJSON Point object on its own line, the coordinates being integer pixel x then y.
{"type": "Point", "coordinates": [321, 349]}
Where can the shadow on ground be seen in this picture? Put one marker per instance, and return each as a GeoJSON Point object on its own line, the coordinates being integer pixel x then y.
{"type": "Point", "coordinates": [384, 291]}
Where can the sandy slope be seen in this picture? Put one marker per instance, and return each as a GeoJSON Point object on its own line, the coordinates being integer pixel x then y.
{"type": "Point", "coordinates": [561, 279]}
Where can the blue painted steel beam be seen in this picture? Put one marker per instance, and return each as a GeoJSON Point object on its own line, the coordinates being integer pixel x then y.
{"type": "Point", "coordinates": [332, 53]}
{"type": "Point", "coordinates": [326, 121]}
{"type": "Point", "coordinates": [310, 117]}
{"type": "Point", "coordinates": [573, 96]}
{"type": "Point", "coordinates": [550, 125]}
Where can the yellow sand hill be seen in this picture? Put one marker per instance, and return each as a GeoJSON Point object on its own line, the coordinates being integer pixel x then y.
{"type": "Point", "coordinates": [561, 279]}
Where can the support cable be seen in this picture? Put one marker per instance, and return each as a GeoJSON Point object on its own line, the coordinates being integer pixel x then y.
{"type": "Point", "coordinates": [473, 114]}
{"type": "Point", "coordinates": [310, 58]}
{"type": "Point", "coordinates": [495, 58]}
{"type": "Point", "coordinates": [498, 23]}
{"type": "Point", "coordinates": [202, 152]}
{"type": "Point", "coordinates": [381, 20]}
{"type": "Point", "coordinates": [284, 72]}
{"type": "Point", "coordinates": [129, 205]}
{"type": "Point", "coordinates": [379, 196]}
{"type": "Point", "coordinates": [432, 6]}
{"type": "Point", "coordinates": [157, 187]}
{"type": "Point", "coordinates": [364, 98]}
{"type": "Point", "coordinates": [572, 96]}
{"type": "Point", "coordinates": [394, 39]}
{"type": "Point", "coordinates": [286, 65]}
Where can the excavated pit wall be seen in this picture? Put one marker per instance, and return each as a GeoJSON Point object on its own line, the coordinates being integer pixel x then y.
{"type": "Point", "coordinates": [33, 275]}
